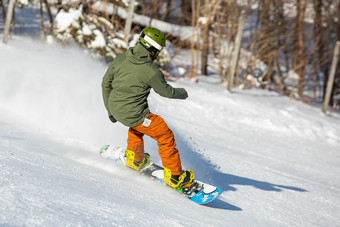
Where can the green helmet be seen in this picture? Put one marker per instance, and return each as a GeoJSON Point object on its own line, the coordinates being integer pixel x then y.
{"type": "Point", "coordinates": [153, 40]}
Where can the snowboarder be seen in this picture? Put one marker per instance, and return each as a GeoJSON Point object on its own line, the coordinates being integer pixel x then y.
{"type": "Point", "coordinates": [126, 86]}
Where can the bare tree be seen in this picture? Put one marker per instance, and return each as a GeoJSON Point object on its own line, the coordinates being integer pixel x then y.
{"type": "Point", "coordinates": [209, 10]}
{"type": "Point", "coordinates": [220, 26]}
{"type": "Point", "coordinates": [185, 17]}
{"type": "Point", "coordinates": [2, 5]}
{"type": "Point", "coordinates": [266, 50]}
{"type": "Point", "coordinates": [49, 13]}
{"type": "Point", "coordinates": [42, 21]}
{"type": "Point", "coordinates": [195, 41]}
{"type": "Point", "coordinates": [318, 43]}
{"type": "Point", "coordinates": [8, 19]}
{"type": "Point", "coordinates": [167, 10]}
{"type": "Point", "coordinates": [330, 81]}
{"type": "Point", "coordinates": [300, 59]}
{"type": "Point", "coordinates": [236, 51]}
{"type": "Point", "coordinates": [128, 21]}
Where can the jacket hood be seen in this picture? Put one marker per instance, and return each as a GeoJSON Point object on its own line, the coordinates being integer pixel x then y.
{"type": "Point", "coordinates": [139, 55]}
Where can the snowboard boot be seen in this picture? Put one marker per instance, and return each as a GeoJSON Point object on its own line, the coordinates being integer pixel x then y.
{"type": "Point", "coordinates": [178, 181]}
{"type": "Point", "coordinates": [130, 160]}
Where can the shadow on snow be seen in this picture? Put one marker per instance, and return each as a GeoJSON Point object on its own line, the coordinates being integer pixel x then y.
{"type": "Point", "coordinates": [208, 172]}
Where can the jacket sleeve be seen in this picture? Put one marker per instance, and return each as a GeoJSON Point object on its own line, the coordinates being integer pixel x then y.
{"type": "Point", "coordinates": [107, 86]}
{"type": "Point", "coordinates": [161, 87]}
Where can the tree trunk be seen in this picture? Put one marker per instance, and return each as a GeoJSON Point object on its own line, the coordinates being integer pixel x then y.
{"type": "Point", "coordinates": [167, 11]}
{"type": "Point", "coordinates": [128, 22]}
{"type": "Point", "coordinates": [154, 8]}
{"type": "Point", "coordinates": [195, 39]}
{"type": "Point", "coordinates": [236, 50]}
{"type": "Point", "coordinates": [266, 39]}
{"type": "Point", "coordinates": [42, 34]}
{"type": "Point", "coordinates": [50, 17]}
{"type": "Point", "coordinates": [205, 39]}
{"type": "Point", "coordinates": [184, 17]}
{"type": "Point", "coordinates": [300, 58]}
{"type": "Point", "coordinates": [318, 43]}
{"type": "Point", "coordinates": [336, 88]}
{"type": "Point", "coordinates": [59, 5]}
{"type": "Point", "coordinates": [281, 36]}
{"type": "Point", "coordinates": [330, 81]}
{"type": "Point", "coordinates": [338, 28]}
{"type": "Point", "coordinates": [221, 24]}
{"type": "Point", "coordinates": [8, 19]}
{"type": "Point", "coordinates": [205, 51]}
{"type": "Point", "coordinates": [232, 22]}
{"type": "Point", "coordinates": [3, 9]}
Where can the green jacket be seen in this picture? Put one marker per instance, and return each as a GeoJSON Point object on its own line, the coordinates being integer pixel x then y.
{"type": "Point", "coordinates": [127, 84]}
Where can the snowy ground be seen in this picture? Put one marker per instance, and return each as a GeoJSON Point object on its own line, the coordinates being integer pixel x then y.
{"type": "Point", "coordinates": [276, 160]}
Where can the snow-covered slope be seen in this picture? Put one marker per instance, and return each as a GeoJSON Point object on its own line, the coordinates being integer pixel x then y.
{"type": "Point", "coordinates": [276, 160]}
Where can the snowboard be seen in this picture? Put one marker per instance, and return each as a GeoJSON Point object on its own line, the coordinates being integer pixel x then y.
{"type": "Point", "coordinates": [199, 192]}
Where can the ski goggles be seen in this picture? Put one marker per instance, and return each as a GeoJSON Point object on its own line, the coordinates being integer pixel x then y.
{"type": "Point", "coordinates": [152, 42]}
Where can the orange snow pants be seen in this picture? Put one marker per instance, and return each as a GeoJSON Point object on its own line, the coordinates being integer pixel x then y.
{"type": "Point", "coordinates": [159, 131]}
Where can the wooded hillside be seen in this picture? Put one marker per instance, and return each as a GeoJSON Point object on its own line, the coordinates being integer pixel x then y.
{"type": "Point", "coordinates": [285, 46]}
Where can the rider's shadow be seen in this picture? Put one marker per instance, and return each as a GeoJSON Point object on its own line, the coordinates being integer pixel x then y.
{"type": "Point", "coordinates": [227, 182]}
{"type": "Point", "coordinates": [210, 174]}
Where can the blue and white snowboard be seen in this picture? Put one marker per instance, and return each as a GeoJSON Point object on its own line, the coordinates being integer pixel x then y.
{"type": "Point", "coordinates": [198, 192]}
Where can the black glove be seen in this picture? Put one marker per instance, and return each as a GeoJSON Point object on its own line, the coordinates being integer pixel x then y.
{"type": "Point", "coordinates": [113, 119]}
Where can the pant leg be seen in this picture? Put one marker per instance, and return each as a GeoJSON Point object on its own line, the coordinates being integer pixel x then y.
{"type": "Point", "coordinates": [168, 152]}
{"type": "Point", "coordinates": [135, 143]}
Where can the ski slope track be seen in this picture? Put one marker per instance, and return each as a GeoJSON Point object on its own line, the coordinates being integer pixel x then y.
{"type": "Point", "coordinates": [276, 160]}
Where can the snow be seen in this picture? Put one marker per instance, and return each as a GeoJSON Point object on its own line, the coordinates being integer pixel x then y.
{"type": "Point", "coordinates": [86, 30]}
{"type": "Point", "coordinates": [99, 40]}
{"type": "Point", "coordinates": [277, 160]}
{"type": "Point", "coordinates": [23, 2]}
{"type": "Point", "coordinates": [184, 32]}
{"type": "Point", "coordinates": [63, 20]}
{"type": "Point", "coordinates": [119, 43]}
{"type": "Point", "coordinates": [203, 20]}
